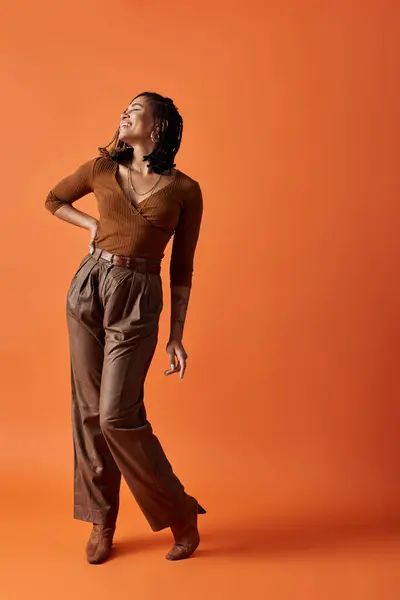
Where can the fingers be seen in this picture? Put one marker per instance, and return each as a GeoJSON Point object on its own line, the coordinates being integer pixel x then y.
{"type": "Point", "coordinates": [182, 363]}
{"type": "Point", "coordinates": [92, 243]}
{"type": "Point", "coordinates": [177, 368]}
{"type": "Point", "coordinates": [173, 369]}
{"type": "Point", "coordinates": [171, 357]}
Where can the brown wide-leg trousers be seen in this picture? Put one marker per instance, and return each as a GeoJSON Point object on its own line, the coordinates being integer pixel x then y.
{"type": "Point", "coordinates": [112, 317]}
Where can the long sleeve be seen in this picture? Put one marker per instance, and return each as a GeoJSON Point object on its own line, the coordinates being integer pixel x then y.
{"type": "Point", "coordinates": [72, 187]}
{"type": "Point", "coordinates": [185, 238]}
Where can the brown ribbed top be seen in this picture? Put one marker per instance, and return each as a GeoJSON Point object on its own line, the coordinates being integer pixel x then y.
{"type": "Point", "coordinates": [142, 231]}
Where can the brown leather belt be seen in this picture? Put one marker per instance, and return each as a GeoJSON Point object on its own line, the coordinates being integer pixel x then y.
{"type": "Point", "coordinates": [142, 265]}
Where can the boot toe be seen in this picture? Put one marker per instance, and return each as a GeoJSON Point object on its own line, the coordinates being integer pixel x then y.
{"type": "Point", "coordinates": [181, 551]}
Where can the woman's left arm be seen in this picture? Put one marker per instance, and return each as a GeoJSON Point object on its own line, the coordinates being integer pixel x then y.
{"type": "Point", "coordinates": [181, 274]}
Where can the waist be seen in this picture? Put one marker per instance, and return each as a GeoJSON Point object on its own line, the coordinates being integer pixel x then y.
{"type": "Point", "coordinates": [142, 265]}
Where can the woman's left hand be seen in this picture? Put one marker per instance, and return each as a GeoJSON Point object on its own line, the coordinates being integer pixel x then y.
{"type": "Point", "coordinates": [176, 350]}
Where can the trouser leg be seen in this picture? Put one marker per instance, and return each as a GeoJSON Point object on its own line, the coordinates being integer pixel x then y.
{"type": "Point", "coordinates": [131, 330]}
{"type": "Point", "coordinates": [96, 476]}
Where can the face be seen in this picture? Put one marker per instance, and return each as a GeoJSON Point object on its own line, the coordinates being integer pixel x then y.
{"type": "Point", "coordinates": [137, 122]}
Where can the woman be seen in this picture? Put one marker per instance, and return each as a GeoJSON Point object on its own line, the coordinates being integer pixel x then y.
{"type": "Point", "coordinates": [113, 307]}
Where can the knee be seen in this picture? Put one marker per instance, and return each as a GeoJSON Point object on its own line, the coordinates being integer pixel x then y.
{"type": "Point", "coordinates": [107, 422]}
{"type": "Point", "coordinates": [112, 421]}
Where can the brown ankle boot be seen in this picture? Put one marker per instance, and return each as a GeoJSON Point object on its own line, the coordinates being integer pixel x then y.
{"type": "Point", "coordinates": [186, 537]}
{"type": "Point", "coordinates": [98, 548]}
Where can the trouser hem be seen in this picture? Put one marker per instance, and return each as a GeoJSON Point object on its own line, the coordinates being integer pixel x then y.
{"type": "Point", "coordinates": [94, 517]}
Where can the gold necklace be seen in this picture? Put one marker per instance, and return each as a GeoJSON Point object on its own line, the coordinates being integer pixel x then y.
{"type": "Point", "coordinates": [144, 193]}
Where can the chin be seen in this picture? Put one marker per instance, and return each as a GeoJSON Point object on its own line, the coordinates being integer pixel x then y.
{"type": "Point", "coordinates": [123, 138]}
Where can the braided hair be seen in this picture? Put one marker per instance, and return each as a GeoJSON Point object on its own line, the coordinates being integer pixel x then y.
{"type": "Point", "coordinates": [170, 125]}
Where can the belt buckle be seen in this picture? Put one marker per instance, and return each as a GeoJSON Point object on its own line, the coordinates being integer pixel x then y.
{"type": "Point", "coordinates": [128, 262]}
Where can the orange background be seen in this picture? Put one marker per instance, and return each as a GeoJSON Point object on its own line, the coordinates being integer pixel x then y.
{"type": "Point", "coordinates": [286, 425]}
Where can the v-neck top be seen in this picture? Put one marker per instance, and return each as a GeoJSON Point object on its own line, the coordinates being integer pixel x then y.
{"type": "Point", "coordinates": [141, 230]}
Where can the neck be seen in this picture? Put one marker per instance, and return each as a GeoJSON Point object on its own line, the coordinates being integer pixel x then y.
{"type": "Point", "coordinates": [137, 163]}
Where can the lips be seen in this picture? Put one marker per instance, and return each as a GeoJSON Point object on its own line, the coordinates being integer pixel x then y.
{"type": "Point", "coordinates": [125, 124]}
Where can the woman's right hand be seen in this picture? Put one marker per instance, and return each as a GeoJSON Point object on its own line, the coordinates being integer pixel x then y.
{"type": "Point", "coordinates": [93, 232]}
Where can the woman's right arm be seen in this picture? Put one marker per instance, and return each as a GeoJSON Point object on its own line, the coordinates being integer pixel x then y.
{"type": "Point", "coordinates": [60, 198]}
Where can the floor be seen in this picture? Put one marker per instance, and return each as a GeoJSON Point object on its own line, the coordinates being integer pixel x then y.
{"type": "Point", "coordinates": [42, 556]}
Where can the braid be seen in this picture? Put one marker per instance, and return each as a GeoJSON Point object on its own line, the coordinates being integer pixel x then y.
{"type": "Point", "coordinates": [170, 125]}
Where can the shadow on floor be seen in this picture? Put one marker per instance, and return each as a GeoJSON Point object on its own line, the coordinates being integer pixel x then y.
{"type": "Point", "coordinates": [266, 539]}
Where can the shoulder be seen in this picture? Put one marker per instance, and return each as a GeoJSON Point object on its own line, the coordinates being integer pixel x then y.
{"type": "Point", "coordinates": [96, 166]}
{"type": "Point", "coordinates": [189, 186]}
{"type": "Point", "coordinates": [187, 181]}
{"type": "Point", "coordinates": [102, 163]}
{"type": "Point", "coordinates": [191, 194]}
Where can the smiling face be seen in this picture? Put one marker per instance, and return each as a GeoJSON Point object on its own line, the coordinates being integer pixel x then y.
{"type": "Point", "coordinates": [137, 122]}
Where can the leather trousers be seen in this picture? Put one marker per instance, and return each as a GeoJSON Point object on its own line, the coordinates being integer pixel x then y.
{"type": "Point", "coordinates": [112, 317]}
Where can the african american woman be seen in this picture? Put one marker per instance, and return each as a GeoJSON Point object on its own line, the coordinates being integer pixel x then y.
{"type": "Point", "coordinates": [113, 306]}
